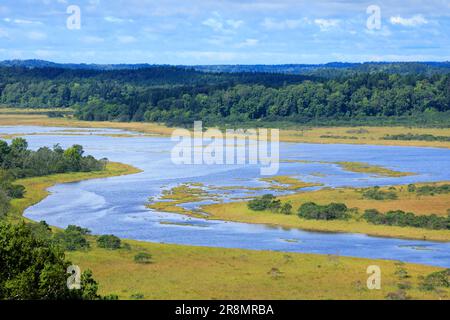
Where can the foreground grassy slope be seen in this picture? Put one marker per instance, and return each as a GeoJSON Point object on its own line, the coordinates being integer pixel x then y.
{"type": "Point", "coordinates": [410, 202]}
{"type": "Point", "coordinates": [348, 135]}
{"type": "Point", "coordinates": [185, 272]}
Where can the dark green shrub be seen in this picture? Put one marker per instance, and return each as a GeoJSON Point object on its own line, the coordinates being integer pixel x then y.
{"type": "Point", "coordinates": [108, 241]}
{"type": "Point", "coordinates": [332, 211]}
{"type": "Point", "coordinates": [143, 257]}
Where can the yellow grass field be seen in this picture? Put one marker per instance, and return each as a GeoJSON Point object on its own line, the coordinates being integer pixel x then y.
{"type": "Point", "coordinates": [300, 134]}
{"type": "Point", "coordinates": [409, 202]}
{"type": "Point", "coordinates": [187, 272]}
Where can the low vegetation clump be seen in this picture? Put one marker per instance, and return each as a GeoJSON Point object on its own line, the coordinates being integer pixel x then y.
{"type": "Point", "coordinates": [332, 211]}
{"type": "Point", "coordinates": [338, 137]}
{"type": "Point", "coordinates": [407, 219]}
{"type": "Point", "coordinates": [436, 280]}
{"type": "Point", "coordinates": [429, 190]}
{"type": "Point", "coordinates": [33, 268]}
{"type": "Point", "coordinates": [418, 137]}
{"type": "Point", "coordinates": [376, 194]}
{"type": "Point", "coordinates": [73, 238]}
{"type": "Point", "coordinates": [143, 258]}
{"type": "Point", "coordinates": [109, 241]}
{"type": "Point", "coordinates": [270, 202]}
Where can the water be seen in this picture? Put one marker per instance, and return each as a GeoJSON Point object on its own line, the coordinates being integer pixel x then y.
{"type": "Point", "coordinates": [117, 205]}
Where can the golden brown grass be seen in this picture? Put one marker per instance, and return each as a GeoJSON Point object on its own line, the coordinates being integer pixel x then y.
{"type": "Point", "coordinates": [188, 272]}
{"type": "Point", "coordinates": [410, 202]}
{"type": "Point", "coordinates": [300, 134]}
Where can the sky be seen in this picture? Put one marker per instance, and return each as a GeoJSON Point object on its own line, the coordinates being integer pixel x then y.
{"type": "Point", "coordinates": [192, 32]}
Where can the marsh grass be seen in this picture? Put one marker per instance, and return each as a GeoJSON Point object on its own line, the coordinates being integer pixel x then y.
{"type": "Point", "coordinates": [406, 201]}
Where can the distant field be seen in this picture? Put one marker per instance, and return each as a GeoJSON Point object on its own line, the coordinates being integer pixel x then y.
{"type": "Point", "coordinates": [346, 135]}
{"type": "Point", "coordinates": [187, 272]}
{"type": "Point", "coordinates": [409, 202]}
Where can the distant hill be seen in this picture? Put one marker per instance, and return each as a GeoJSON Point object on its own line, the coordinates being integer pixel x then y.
{"type": "Point", "coordinates": [328, 70]}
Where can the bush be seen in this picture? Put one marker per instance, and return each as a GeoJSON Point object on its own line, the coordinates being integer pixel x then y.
{"type": "Point", "coordinates": [269, 202]}
{"type": "Point", "coordinates": [407, 219]}
{"type": "Point", "coordinates": [73, 238]}
{"type": "Point", "coordinates": [439, 279]}
{"type": "Point", "coordinates": [262, 203]}
{"type": "Point", "coordinates": [332, 211]}
{"type": "Point", "coordinates": [377, 194]}
{"type": "Point", "coordinates": [143, 257]}
{"type": "Point", "coordinates": [108, 242]}
{"type": "Point", "coordinates": [286, 208]}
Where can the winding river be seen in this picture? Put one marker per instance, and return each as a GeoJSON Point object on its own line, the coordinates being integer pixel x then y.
{"type": "Point", "coordinates": [117, 205]}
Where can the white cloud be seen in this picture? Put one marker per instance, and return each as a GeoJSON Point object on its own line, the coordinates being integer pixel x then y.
{"type": "Point", "coordinates": [235, 24]}
{"type": "Point", "coordinates": [126, 39]}
{"type": "Point", "coordinates": [21, 21]}
{"type": "Point", "coordinates": [215, 24]}
{"type": "Point", "coordinates": [247, 43]}
{"type": "Point", "coordinates": [414, 21]}
{"type": "Point", "coordinates": [326, 24]}
{"type": "Point", "coordinates": [34, 35]}
{"type": "Point", "coordinates": [271, 24]}
{"type": "Point", "coordinates": [225, 26]}
{"type": "Point", "coordinates": [116, 20]}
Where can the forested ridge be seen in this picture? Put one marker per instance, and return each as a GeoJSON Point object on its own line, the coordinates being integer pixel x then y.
{"type": "Point", "coordinates": [178, 96]}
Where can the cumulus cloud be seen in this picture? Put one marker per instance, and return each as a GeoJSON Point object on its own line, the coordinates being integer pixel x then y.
{"type": "Point", "coordinates": [271, 24]}
{"type": "Point", "coordinates": [220, 25]}
{"type": "Point", "coordinates": [248, 43]}
{"type": "Point", "coordinates": [116, 20]}
{"type": "Point", "coordinates": [414, 21]}
{"type": "Point", "coordinates": [327, 24]}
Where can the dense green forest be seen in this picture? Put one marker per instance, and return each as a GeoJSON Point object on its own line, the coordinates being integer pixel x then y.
{"type": "Point", "coordinates": [178, 96]}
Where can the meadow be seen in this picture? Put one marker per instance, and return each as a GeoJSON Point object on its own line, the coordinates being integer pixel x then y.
{"type": "Point", "coordinates": [303, 134]}
{"type": "Point", "coordinates": [409, 202]}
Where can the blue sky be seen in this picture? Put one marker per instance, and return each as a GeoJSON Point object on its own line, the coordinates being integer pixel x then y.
{"type": "Point", "coordinates": [224, 31]}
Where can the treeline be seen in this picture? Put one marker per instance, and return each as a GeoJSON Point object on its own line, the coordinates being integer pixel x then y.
{"type": "Point", "coordinates": [407, 219]}
{"type": "Point", "coordinates": [178, 96]}
{"type": "Point", "coordinates": [20, 162]}
{"type": "Point", "coordinates": [17, 161]}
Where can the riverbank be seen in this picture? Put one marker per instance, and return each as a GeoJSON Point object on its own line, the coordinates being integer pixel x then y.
{"type": "Point", "coordinates": [216, 273]}
{"type": "Point", "coordinates": [352, 197]}
{"type": "Point", "coordinates": [36, 187]}
{"type": "Point", "coordinates": [321, 135]}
